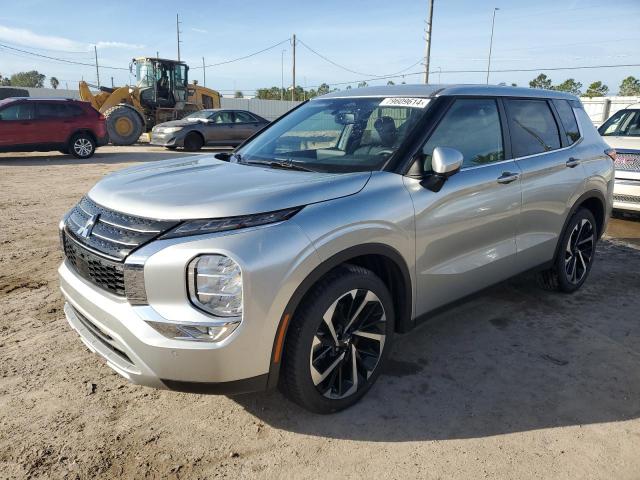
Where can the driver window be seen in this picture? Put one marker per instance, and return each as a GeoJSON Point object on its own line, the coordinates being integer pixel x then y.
{"type": "Point", "coordinates": [224, 117]}
{"type": "Point", "coordinates": [471, 126]}
{"type": "Point", "coordinates": [20, 111]}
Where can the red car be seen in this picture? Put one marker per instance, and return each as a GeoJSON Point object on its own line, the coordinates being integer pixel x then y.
{"type": "Point", "coordinates": [34, 124]}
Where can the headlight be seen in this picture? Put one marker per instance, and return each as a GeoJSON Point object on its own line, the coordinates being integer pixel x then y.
{"type": "Point", "coordinates": [196, 227]}
{"type": "Point", "coordinates": [215, 285]}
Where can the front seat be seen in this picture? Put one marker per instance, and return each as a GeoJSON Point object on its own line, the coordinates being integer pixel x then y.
{"type": "Point", "coordinates": [383, 138]}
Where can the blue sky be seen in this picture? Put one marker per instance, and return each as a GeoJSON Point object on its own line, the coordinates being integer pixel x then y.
{"type": "Point", "coordinates": [372, 37]}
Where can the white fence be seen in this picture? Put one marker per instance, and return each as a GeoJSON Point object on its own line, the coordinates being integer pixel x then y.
{"type": "Point", "coordinates": [269, 109]}
{"type": "Point", "coordinates": [601, 108]}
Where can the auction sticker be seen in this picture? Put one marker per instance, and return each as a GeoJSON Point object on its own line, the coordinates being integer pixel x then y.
{"type": "Point", "coordinates": [404, 102]}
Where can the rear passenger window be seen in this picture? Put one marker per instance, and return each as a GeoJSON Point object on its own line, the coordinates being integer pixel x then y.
{"type": "Point", "coordinates": [533, 127]}
{"type": "Point", "coordinates": [568, 120]}
{"type": "Point", "coordinates": [243, 117]}
{"type": "Point", "coordinates": [52, 110]}
{"type": "Point", "coordinates": [471, 126]}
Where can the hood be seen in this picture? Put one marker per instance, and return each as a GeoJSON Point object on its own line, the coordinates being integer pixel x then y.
{"type": "Point", "coordinates": [623, 143]}
{"type": "Point", "coordinates": [182, 122]}
{"type": "Point", "coordinates": [204, 187]}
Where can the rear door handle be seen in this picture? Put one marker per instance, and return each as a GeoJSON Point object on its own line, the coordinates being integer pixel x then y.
{"type": "Point", "coordinates": [508, 177]}
{"type": "Point", "coordinates": [572, 162]}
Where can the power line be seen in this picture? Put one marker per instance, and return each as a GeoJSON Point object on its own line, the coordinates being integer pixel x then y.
{"type": "Point", "coordinates": [245, 56]}
{"type": "Point", "coordinates": [63, 60]}
{"type": "Point", "coordinates": [354, 71]}
{"type": "Point", "coordinates": [509, 70]}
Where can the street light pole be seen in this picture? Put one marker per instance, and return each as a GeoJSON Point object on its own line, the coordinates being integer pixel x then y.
{"type": "Point", "coordinates": [493, 24]}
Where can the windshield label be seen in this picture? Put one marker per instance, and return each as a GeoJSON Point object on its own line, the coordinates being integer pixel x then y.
{"type": "Point", "coordinates": [405, 102]}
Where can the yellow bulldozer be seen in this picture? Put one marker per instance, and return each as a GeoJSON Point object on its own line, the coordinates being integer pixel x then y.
{"type": "Point", "coordinates": [162, 93]}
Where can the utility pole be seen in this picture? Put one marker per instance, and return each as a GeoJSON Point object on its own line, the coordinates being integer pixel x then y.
{"type": "Point", "coordinates": [112, 82]}
{"type": "Point", "coordinates": [178, 33]}
{"type": "Point", "coordinates": [493, 24]}
{"type": "Point", "coordinates": [293, 90]}
{"type": "Point", "coordinates": [427, 47]}
{"type": "Point", "coordinates": [282, 74]}
{"type": "Point", "coordinates": [95, 50]}
{"type": "Point", "coordinates": [204, 73]}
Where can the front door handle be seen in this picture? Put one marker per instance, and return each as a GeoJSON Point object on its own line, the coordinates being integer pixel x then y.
{"type": "Point", "coordinates": [572, 162]}
{"type": "Point", "coordinates": [508, 177]}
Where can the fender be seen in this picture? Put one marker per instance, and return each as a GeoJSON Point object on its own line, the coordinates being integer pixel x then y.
{"type": "Point", "coordinates": [404, 321]}
{"type": "Point", "coordinates": [597, 194]}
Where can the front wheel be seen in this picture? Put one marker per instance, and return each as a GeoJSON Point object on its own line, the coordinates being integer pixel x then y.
{"type": "Point", "coordinates": [338, 340]}
{"type": "Point", "coordinates": [575, 254]}
{"type": "Point", "coordinates": [193, 142]}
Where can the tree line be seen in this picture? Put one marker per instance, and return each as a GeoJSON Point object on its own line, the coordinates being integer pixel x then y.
{"type": "Point", "coordinates": [32, 78]}
{"type": "Point", "coordinates": [630, 87]}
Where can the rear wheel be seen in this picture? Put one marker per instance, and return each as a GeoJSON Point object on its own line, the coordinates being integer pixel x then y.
{"type": "Point", "coordinates": [82, 145]}
{"type": "Point", "coordinates": [193, 142]}
{"type": "Point", "coordinates": [124, 125]}
{"type": "Point", "coordinates": [338, 341]}
{"type": "Point", "coordinates": [575, 255]}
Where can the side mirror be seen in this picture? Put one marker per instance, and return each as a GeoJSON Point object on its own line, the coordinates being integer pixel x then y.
{"type": "Point", "coordinates": [445, 162]}
{"type": "Point", "coordinates": [224, 156]}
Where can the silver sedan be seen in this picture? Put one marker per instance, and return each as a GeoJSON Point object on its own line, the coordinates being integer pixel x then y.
{"type": "Point", "coordinates": [216, 127]}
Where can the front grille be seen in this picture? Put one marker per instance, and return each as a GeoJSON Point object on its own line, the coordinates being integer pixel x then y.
{"type": "Point", "coordinates": [628, 161]}
{"type": "Point", "coordinates": [112, 233]}
{"type": "Point", "coordinates": [626, 198]}
{"type": "Point", "coordinates": [97, 240]}
{"type": "Point", "coordinates": [105, 273]}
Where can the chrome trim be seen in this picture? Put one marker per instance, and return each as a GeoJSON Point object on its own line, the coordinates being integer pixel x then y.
{"type": "Point", "coordinates": [92, 250]}
{"type": "Point", "coordinates": [148, 314]}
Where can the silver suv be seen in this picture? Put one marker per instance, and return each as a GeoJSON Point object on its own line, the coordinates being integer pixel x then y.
{"type": "Point", "coordinates": [295, 260]}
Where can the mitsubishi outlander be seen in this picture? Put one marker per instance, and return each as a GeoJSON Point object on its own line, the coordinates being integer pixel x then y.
{"type": "Point", "coordinates": [294, 260]}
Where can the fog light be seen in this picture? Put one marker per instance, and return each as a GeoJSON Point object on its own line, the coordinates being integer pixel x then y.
{"type": "Point", "coordinates": [215, 285]}
{"type": "Point", "coordinates": [202, 333]}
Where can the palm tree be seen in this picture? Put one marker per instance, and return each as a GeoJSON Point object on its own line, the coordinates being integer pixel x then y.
{"type": "Point", "coordinates": [54, 82]}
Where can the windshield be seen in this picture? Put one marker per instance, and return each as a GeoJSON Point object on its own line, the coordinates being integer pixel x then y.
{"type": "Point", "coordinates": [337, 134]}
{"type": "Point", "coordinates": [200, 114]}
{"type": "Point", "coordinates": [144, 74]}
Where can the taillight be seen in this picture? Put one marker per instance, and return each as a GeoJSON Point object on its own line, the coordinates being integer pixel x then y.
{"type": "Point", "coordinates": [611, 153]}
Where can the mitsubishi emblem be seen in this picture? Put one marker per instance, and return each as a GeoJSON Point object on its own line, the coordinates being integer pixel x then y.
{"type": "Point", "coordinates": [85, 231]}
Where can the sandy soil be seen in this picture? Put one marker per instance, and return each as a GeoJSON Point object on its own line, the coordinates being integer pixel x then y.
{"type": "Point", "coordinates": [517, 383]}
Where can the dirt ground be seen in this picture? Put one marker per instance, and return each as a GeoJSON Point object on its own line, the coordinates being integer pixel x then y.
{"type": "Point", "coordinates": [516, 383]}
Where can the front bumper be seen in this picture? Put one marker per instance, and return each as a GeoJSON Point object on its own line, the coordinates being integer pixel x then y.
{"type": "Point", "coordinates": [626, 194]}
{"type": "Point", "coordinates": [118, 331]}
{"type": "Point", "coordinates": [166, 139]}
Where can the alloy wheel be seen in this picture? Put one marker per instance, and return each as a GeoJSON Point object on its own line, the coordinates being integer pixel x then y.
{"type": "Point", "coordinates": [82, 147]}
{"type": "Point", "coordinates": [348, 344]}
{"type": "Point", "coordinates": [579, 251]}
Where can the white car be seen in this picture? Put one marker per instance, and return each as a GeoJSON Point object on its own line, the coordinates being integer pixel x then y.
{"type": "Point", "coordinates": [622, 132]}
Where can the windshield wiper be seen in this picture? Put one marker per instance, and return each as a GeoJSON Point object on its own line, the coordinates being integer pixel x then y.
{"type": "Point", "coordinates": [285, 164]}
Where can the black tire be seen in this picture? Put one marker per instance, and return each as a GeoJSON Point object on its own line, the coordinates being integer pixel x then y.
{"type": "Point", "coordinates": [82, 145]}
{"type": "Point", "coordinates": [124, 125]}
{"type": "Point", "coordinates": [193, 142]}
{"type": "Point", "coordinates": [310, 341]}
{"type": "Point", "coordinates": [575, 256]}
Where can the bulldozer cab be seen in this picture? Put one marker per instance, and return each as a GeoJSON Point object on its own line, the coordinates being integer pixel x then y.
{"type": "Point", "coordinates": [162, 83]}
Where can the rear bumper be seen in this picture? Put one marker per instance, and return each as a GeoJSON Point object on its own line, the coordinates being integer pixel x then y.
{"type": "Point", "coordinates": [626, 195]}
{"type": "Point", "coordinates": [102, 141]}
